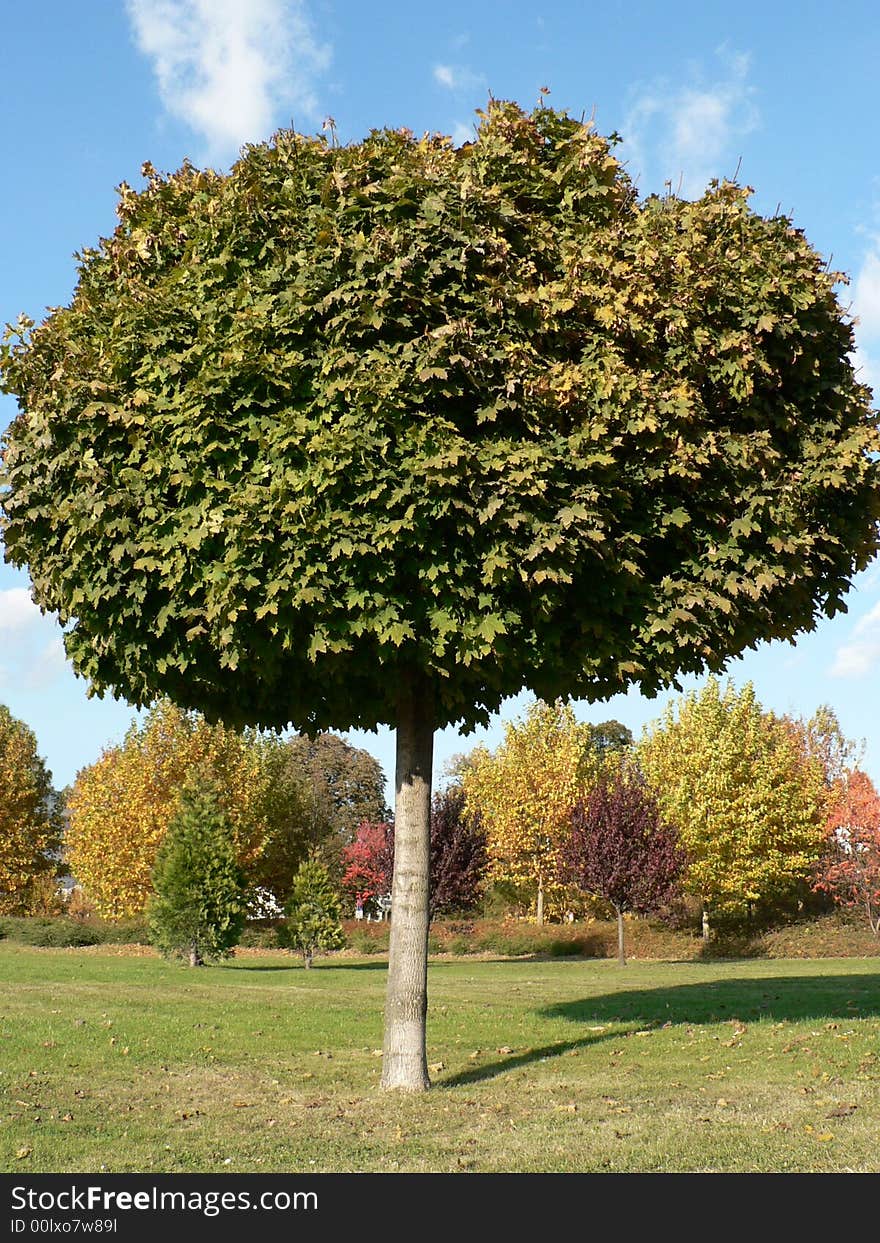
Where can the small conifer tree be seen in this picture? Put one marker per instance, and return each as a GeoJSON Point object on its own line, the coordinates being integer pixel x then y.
{"type": "Point", "coordinates": [313, 912]}
{"type": "Point", "coordinates": [199, 906]}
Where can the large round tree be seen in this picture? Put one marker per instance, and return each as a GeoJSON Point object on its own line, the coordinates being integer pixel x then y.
{"type": "Point", "coordinates": [384, 432]}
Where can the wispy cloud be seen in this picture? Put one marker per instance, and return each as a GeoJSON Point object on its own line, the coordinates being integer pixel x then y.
{"type": "Point", "coordinates": [232, 70]}
{"type": "Point", "coordinates": [459, 79]}
{"type": "Point", "coordinates": [31, 644]}
{"type": "Point", "coordinates": [687, 133]}
{"type": "Point", "coordinates": [17, 610]}
{"type": "Point", "coordinates": [866, 308]}
{"type": "Point", "coordinates": [860, 655]}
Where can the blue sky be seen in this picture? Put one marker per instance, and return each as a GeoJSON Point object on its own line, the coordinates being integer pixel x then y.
{"type": "Point", "coordinates": [783, 92]}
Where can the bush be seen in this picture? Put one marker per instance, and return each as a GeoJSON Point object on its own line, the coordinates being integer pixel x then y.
{"type": "Point", "coordinates": [48, 932]}
{"type": "Point", "coordinates": [366, 938]}
{"type": "Point", "coordinates": [567, 947]}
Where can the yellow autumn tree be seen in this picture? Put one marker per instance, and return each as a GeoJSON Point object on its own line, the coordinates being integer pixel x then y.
{"type": "Point", "coordinates": [524, 792]}
{"type": "Point", "coordinates": [749, 802]}
{"type": "Point", "coordinates": [121, 806]}
{"type": "Point", "coordinates": [30, 822]}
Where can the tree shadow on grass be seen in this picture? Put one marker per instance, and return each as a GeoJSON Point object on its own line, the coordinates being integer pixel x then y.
{"type": "Point", "coordinates": [295, 964]}
{"type": "Point", "coordinates": [777, 998]}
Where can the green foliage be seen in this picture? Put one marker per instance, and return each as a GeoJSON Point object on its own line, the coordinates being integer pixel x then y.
{"type": "Point", "coordinates": [313, 913]}
{"type": "Point", "coordinates": [199, 906]}
{"type": "Point", "coordinates": [349, 411]}
{"type": "Point", "coordinates": [31, 821]}
{"type": "Point", "coordinates": [48, 932]}
{"type": "Point", "coordinates": [748, 802]}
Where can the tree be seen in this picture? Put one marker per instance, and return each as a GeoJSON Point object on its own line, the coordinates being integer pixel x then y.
{"type": "Point", "coordinates": [385, 431]}
{"type": "Point", "coordinates": [620, 849]}
{"type": "Point", "coordinates": [30, 817]}
{"type": "Point", "coordinates": [313, 913]}
{"type": "Point", "coordinates": [199, 904]}
{"type": "Point", "coordinates": [121, 806]}
{"type": "Point", "coordinates": [457, 864]}
{"type": "Point", "coordinates": [369, 861]}
{"type": "Point", "coordinates": [524, 792]}
{"type": "Point", "coordinates": [850, 866]}
{"type": "Point", "coordinates": [749, 805]}
{"type": "Point", "coordinates": [342, 787]}
{"type": "Point", "coordinates": [609, 738]}
{"type": "Point", "coordinates": [458, 854]}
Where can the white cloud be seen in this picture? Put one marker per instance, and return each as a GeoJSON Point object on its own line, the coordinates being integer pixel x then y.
{"type": "Point", "coordinates": [50, 661]}
{"type": "Point", "coordinates": [860, 655]}
{"type": "Point", "coordinates": [462, 133]}
{"type": "Point", "coordinates": [459, 79]}
{"type": "Point", "coordinates": [688, 133]}
{"type": "Point", "coordinates": [233, 70]}
{"type": "Point", "coordinates": [866, 309]}
{"type": "Point", "coordinates": [866, 291]}
{"type": "Point", "coordinates": [17, 610]}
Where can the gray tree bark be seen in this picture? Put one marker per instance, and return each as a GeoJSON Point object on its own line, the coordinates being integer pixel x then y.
{"type": "Point", "coordinates": [404, 1056]}
{"type": "Point", "coordinates": [621, 953]}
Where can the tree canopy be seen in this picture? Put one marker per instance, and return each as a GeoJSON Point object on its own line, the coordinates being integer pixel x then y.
{"type": "Point", "coordinates": [30, 817]}
{"type": "Point", "coordinates": [476, 411]}
{"type": "Point", "coordinates": [384, 432]}
{"type": "Point", "coordinates": [121, 806]}
{"type": "Point", "coordinates": [748, 801]}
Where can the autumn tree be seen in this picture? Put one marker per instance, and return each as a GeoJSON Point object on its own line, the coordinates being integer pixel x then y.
{"type": "Point", "coordinates": [619, 848]}
{"type": "Point", "coordinates": [524, 792]}
{"type": "Point", "coordinates": [368, 861]}
{"type": "Point", "coordinates": [342, 786]}
{"type": "Point", "coordinates": [30, 817]}
{"type": "Point", "coordinates": [198, 905]}
{"type": "Point", "coordinates": [383, 432]}
{"type": "Point", "coordinates": [749, 805]}
{"type": "Point", "coordinates": [459, 859]}
{"type": "Point", "coordinates": [849, 868]}
{"type": "Point", "coordinates": [312, 913]}
{"type": "Point", "coordinates": [120, 807]}
{"type": "Point", "coordinates": [458, 856]}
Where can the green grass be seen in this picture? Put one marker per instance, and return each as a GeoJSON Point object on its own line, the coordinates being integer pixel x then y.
{"type": "Point", "coordinates": [125, 1062]}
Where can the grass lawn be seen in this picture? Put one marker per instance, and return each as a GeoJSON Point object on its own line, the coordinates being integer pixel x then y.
{"type": "Point", "coordinates": [123, 1062]}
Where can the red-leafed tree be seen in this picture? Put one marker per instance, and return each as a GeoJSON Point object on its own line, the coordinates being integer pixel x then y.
{"type": "Point", "coordinates": [850, 868]}
{"type": "Point", "coordinates": [620, 849]}
{"type": "Point", "coordinates": [369, 861]}
{"type": "Point", "coordinates": [458, 857]}
{"type": "Point", "coordinates": [458, 854]}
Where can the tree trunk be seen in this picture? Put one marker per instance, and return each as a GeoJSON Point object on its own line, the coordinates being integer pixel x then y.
{"type": "Point", "coordinates": [621, 955]}
{"type": "Point", "coordinates": [540, 914]}
{"type": "Point", "coordinates": [195, 958]}
{"type": "Point", "coordinates": [705, 923]}
{"type": "Point", "coordinates": [307, 961]}
{"type": "Point", "coordinates": [404, 1058]}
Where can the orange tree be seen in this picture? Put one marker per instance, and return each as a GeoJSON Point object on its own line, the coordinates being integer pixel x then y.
{"type": "Point", "coordinates": [385, 431]}
{"type": "Point", "coordinates": [30, 818]}
{"type": "Point", "coordinates": [850, 865]}
{"type": "Point", "coordinates": [120, 807]}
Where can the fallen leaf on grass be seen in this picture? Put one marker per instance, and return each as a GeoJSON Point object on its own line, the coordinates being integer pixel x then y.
{"type": "Point", "coordinates": [842, 1111]}
{"type": "Point", "coordinates": [22, 1153]}
{"type": "Point", "coordinates": [435, 1067]}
